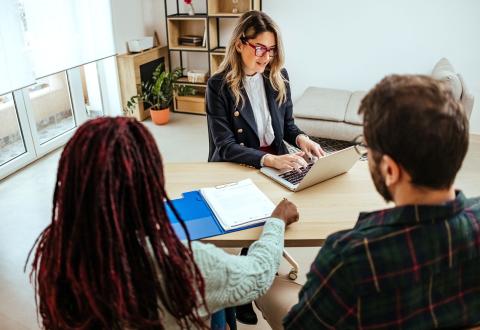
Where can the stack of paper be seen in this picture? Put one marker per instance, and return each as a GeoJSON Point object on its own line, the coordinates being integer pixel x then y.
{"type": "Point", "coordinates": [238, 204]}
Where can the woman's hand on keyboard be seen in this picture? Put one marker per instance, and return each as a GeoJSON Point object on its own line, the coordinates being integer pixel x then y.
{"type": "Point", "coordinates": [311, 148]}
{"type": "Point", "coordinates": [286, 162]}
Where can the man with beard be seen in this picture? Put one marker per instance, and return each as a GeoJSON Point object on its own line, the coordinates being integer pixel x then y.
{"type": "Point", "coordinates": [415, 265]}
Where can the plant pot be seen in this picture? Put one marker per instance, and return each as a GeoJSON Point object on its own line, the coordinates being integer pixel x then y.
{"type": "Point", "coordinates": [160, 116]}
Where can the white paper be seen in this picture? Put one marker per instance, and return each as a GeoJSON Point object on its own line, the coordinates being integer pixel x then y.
{"type": "Point", "coordinates": [238, 204]}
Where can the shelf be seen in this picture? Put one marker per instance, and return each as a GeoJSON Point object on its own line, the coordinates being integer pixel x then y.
{"type": "Point", "coordinates": [223, 8]}
{"type": "Point", "coordinates": [225, 15]}
{"type": "Point", "coordinates": [186, 25]}
{"type": "Point", "coordinates": [186, 16]}
{"type": "Point", "coordinates": [215, 60]}
{"type": "Point", "coordinates": [189, 48]}
{"type": "Point", "coordinates": [184, 81]}
{"type": "Point", "coordinates": [218, 51]}
{"type": "Point", "coordinates": [190, 104]}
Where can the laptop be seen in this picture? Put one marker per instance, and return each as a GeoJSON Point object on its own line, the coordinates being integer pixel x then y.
{"type": "Point", "coordinates": [324, 168]}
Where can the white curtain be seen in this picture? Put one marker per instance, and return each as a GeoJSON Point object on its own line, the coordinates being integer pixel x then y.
{"type": "Point", "coordinates": [42, 37]}
{"type": "Point", "coordinates": [15, 68]}
{"type": "Point", "coordinates": [66, 33]}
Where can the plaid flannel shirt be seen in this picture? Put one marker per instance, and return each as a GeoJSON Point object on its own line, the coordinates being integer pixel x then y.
{"type": "Point", "coordinates": [415, 266]}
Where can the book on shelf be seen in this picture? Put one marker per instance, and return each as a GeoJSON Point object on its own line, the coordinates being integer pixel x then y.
{"type": "Point", "coordinates": [204, 43]}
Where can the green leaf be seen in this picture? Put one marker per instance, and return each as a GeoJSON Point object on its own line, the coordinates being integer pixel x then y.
{"type": "Point", "coordinates": [159, 91]}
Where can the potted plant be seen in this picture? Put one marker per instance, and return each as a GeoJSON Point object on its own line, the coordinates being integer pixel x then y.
{"type": "Point", "coordinates": [185, 90]}
{"type": "Point", "coordinates": [157, 94]}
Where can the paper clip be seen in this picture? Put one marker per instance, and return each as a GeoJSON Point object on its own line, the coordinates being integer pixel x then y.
{"type": "Point", "coordinates": [226, 185]}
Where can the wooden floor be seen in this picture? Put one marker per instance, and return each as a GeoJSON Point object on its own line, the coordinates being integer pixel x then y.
{"type": "Point", "coordinates": [25, 208]}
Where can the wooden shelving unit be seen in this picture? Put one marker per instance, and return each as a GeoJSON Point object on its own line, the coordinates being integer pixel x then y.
{"type": "Point", "coordinates": [207, 26]}
{"type": "Point", "coordinates": [135, 68]}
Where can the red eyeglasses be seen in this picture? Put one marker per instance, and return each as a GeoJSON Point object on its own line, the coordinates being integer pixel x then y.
{"type": "Point", "coordinates": [260, 50]}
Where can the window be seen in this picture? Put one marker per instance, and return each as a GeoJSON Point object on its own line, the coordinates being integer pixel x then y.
{"type": "Point", "coordinates": [11, 138]}
{"type": "Point", "coordinates": [51, 106]}
{"type": "Point", "coordinates": [46, 89]}
{"type": "Point", "coordinates": [92, 96]}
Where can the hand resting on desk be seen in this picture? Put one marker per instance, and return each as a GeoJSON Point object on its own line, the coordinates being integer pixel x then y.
{"type": "Point", "coordinates": [286, 211]}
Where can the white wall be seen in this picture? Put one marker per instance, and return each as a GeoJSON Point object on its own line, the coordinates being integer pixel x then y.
{"type": "Point", "coordinates": [348, 44]}
{"type": "Point", "coordinates": [352, 44]}
{"type": "Point", "coordinates": [134, 19]}
{"type": "Point", "coordinates": [131, 19]}
{"type": "Point", "coordinates": [154, 19]}
{"type": "Point", "coordinates": [127, 17]}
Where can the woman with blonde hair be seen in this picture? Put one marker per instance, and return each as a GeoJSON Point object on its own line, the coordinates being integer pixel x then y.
{"type": "Point", "coordinates": [249, 106]}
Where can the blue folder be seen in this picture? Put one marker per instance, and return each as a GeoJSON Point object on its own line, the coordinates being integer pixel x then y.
{"type": "Point", "coordinates": [198, 217]}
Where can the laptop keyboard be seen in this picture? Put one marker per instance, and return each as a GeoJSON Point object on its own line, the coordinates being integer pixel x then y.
{"type": "Point", "coordinates": [330, 145]}
{"type": "Point", "coordinates": [294, 176]}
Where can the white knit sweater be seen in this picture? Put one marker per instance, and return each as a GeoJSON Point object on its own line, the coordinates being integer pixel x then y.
{"type": "Point", "coordinates": [235, 280]}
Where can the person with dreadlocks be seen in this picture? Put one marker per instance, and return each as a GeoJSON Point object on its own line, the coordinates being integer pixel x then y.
{"type": "Point", "coordinates": [110, 259]}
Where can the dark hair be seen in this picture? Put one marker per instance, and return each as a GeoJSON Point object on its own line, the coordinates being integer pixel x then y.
{"type": "Point", "coordinates": [110, 258]}
{"type": "Point", "coordinates": [415, 120]}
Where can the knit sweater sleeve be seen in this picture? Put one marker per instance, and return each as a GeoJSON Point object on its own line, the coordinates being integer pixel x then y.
{"type": "Point", "coordinates": [235, 280]}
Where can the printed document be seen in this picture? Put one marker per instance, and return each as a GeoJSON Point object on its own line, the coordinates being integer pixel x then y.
{"type": "Point", "coordinates": [238, 204]}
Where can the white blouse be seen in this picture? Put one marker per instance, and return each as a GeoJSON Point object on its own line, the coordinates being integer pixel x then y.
{"type": "Point", "coordinates": [255, 89]}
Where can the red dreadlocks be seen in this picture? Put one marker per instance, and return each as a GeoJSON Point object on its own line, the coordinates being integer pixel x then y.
{"type": "Point", "coordinates": [110, 258]}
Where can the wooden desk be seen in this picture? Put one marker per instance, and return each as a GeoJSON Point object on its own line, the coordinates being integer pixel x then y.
{"type": "Point", "coordinates": [324, 208]}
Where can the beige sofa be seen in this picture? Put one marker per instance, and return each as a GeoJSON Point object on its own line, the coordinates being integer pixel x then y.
{"type": "Point", "coordinates": [332, 113]}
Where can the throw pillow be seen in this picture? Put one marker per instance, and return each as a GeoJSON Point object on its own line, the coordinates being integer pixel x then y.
{"type": "Point", "coordinates": [444, 71]}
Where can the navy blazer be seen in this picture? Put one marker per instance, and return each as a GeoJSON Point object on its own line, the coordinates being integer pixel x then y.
{"type": "Point", "coordinates": [232, 131]}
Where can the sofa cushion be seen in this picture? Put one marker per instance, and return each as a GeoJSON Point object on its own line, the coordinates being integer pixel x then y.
{"type": "Point", "coordinates": [444, 71]}
{"type": "Point", "coordinates": [329, 129]}
{"type": "Point", "coordinates": [322, 103]}
{"type": "Point", "coordinates": [351, 115]}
